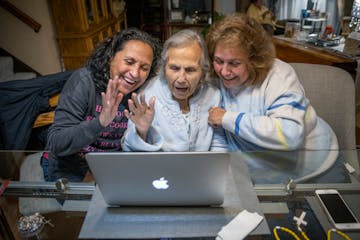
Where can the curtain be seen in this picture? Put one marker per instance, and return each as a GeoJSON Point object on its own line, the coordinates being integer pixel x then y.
{"type": "Point", "coordinates": [291, 9]}
{"type": "Point", "coordinates": [341, 7]}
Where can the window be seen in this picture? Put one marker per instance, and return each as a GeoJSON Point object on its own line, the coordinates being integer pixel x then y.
{"type": "Point", "coordinates": [291, 9]}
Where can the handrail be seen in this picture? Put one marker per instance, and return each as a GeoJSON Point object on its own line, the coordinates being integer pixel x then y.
{"type": "Point", "coordinates": [69, 191]}
{"type": "Point", "coordinates": [20, 15]}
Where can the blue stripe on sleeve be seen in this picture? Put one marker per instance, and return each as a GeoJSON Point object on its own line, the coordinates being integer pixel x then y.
{"type": "Point", "coordinates": [294, 104]}
{"type": "Point", "coordinates": [237, 122]}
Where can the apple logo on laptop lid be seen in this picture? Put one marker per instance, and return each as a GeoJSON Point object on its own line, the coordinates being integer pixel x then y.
{"type": "Point", "coordinates": [160, 183]}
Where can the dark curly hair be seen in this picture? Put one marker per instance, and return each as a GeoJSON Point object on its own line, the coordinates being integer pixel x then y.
{"type": "Point", "coordinates": [99, 61]}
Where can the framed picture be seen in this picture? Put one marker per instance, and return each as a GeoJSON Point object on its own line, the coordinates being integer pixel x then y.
{"type": "Point", "coordinates": [176, 15]}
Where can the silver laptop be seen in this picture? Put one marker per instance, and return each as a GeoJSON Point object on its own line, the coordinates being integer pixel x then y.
{"type": "Point", "coordinates": [160, 178]}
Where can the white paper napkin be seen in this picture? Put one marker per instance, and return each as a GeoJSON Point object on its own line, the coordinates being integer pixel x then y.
{"type": "Point", "coordinates": [240, 226]}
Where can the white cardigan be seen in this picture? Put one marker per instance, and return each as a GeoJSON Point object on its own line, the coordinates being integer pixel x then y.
{"type": "Point", "coordinates": [169, 131]}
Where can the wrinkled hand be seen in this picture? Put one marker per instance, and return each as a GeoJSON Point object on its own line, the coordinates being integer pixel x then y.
{"type": "Point", "coordinates": [110, 101]}
{"type": "Point", "coordinates": [216, 115]}
{"type": "Point", "coordinates": [141, 114]}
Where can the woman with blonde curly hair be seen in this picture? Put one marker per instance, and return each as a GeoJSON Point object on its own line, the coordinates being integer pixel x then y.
{"type": "Point", "coordinates": [263, 103]}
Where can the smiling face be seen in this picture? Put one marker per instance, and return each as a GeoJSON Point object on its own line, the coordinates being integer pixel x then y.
{"type": "Point", "coordinates": [230, 64]}
{"type": "Point", "coordinates": [183, 71]}
{"type": "Point", "coordinates": [132, 64]}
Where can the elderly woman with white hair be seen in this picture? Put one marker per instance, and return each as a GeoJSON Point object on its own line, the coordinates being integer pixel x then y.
{"type": "Point", "coordinates": [171, 113]}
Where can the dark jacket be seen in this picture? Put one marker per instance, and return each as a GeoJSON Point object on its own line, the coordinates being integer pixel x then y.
{"type": "Point", "coordinates": [21, 101]}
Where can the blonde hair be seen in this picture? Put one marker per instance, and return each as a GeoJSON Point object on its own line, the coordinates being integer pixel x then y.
{"type": "Point", "coordinates": [239, 30]}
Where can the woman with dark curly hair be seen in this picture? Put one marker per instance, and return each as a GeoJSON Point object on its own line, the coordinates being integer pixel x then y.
{"type": "Point", "coordinates": [90, 115]}
{"type": "Point", "coordinates": [264, 106]}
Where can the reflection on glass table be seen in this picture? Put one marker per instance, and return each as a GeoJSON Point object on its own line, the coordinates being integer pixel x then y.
{"type": "Point", "coordinates": [64, 205]}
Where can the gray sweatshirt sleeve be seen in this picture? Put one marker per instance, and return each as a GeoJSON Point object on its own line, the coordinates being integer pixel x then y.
{"type": "Point", "coordinates": [70, 131]}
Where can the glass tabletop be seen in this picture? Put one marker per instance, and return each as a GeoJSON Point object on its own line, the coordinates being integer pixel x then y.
{"type": "Point", "coordinates": [56, 210]}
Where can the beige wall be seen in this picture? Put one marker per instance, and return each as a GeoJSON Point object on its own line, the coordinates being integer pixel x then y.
{"type": "Point", "coordinates": [37, 50]}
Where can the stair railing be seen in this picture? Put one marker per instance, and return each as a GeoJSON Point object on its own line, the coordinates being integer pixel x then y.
{"type": "Point", "coordinates": [20, 15]}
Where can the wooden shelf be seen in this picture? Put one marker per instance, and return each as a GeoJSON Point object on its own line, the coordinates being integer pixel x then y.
{"type": "Point", "coordinates": [81, 25]}
{"type": "Point", "coordinates": [197, 12]}
{"type": "Point", "coordinates": [156, 16]}
{"type": "Point", "coordinates": [152, 18]}
{"type": "Point", "coordinates": [291, 50]}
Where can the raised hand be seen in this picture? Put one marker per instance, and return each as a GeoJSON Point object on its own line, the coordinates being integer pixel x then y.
{"type": "Point", "coordinates": [110, 102]}
{"type": "Point", "coordinates": [141, 114]}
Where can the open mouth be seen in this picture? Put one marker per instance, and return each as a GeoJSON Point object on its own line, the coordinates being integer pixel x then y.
{"type": "Point", "coordinates": [229, 79]}
{"type": "Point", "coordinates": [181, 89]}
{"type": "Point", "coordinates": [129, 81]}
{"type": "Point", "coordinates": [180, 92]}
